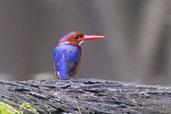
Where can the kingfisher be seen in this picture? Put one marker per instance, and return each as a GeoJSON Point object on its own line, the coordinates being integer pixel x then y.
{"type": "Point", "coordinates": [67, 54]}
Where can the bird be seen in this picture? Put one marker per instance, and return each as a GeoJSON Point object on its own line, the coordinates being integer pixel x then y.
{"type": "Point", "coordinates": [67, 54]}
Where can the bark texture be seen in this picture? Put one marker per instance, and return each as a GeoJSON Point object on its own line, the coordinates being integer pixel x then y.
{"type": "Point", "coordinates": [87, 96]}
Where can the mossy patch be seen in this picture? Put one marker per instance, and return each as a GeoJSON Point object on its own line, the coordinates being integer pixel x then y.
{"type": "Point", "coordinates": [27, 106]}
{"type": "Point", "coordinates": [8, 109]}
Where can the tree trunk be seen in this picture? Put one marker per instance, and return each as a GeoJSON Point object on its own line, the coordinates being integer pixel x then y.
{"type": "Point", "coordinates": [87, 96]}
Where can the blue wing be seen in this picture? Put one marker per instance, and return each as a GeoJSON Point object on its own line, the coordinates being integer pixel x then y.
{"type": "Point", "coordinates": [62, 67]}
{"type": "Point", "coordinates": [66, 59]}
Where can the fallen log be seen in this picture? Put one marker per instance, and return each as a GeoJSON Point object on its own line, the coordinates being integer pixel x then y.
{"type": "Point", "coordinates": [87, 96]}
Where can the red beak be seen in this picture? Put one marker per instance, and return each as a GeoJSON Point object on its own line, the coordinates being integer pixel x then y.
{"type": "Point", "coordinates": [91, 37]}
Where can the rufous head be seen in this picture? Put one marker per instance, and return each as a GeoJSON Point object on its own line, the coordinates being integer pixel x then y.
{"type": "Point", "coordinates": [76, 38]}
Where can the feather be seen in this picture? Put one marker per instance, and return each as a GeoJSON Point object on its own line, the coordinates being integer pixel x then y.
{"type": "Point", "coordinates": [66, 59]}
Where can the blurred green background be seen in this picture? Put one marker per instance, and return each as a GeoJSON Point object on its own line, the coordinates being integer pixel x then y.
{"type": "Point", "coordinates": [136, 48]}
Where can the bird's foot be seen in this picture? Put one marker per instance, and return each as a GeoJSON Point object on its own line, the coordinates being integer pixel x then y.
{"type": "Point", "coordinates": [58, 75]}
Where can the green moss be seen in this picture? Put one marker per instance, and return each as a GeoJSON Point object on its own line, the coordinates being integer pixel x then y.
{"type": "Point", "coordinates": [27, 106]}
{"type": "Point", "coordinates": [7, 109]}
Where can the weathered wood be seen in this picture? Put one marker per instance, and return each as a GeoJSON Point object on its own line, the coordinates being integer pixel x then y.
{"type": "Point", "coordinates": [87, 96]}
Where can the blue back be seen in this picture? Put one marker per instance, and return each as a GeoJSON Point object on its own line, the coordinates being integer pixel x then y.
{"type": "Point", "coordinates": [66, 57]}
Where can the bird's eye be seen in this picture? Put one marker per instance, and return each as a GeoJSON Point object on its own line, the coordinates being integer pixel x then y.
{"type": "Point", "coordinates": [76, 37]}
